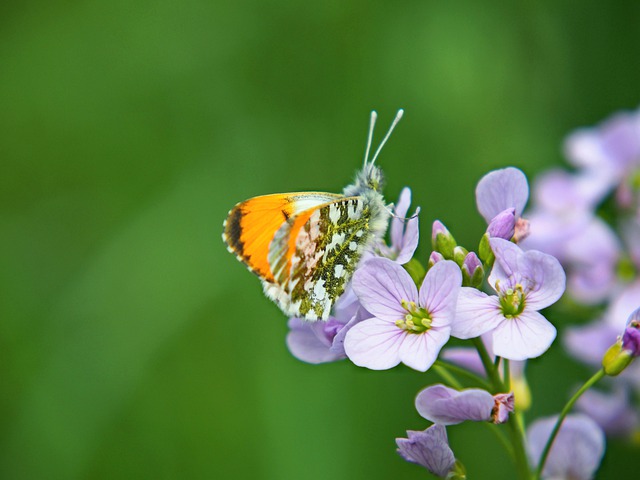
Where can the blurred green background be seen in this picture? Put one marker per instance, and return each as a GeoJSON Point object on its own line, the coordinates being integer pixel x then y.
{"type": "Point", "coordinates": [132, 345]}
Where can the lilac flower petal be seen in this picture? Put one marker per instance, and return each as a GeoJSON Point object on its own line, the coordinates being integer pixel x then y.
{"type": "Point", "coordinates": [560, 191]}
{"type": "Point", "coordinates": [410, 240]}
{"type": "Point", "coordinates": [476, 313]}
{"type": "Point", "coordinates": [611, 411]}
{"type": "Point", "coordinates": [528, 335]}
{"type": "Point", "coordinates": [502, 189]}
{"type": "Point", "coordinates": [381, 285]}
{"type": "Point", "coordinates": [446, 406]}
{"type": "Point", "coordinates": [401, 209]}
{"type": "Point", "coordinates": [439, 291]}
{"type": "Point", "coordinates": [419, 351]}
{"type": "Point", "coordinates": [589, 343]}
{"type": "Point", "coordinates": [508, 267]}
{"type": "Point", "coordinates": [429, 449]}
{"type": "Point", "coordinates": [576, 452]}
{"type": "Point", "coordinates": [337, 346]}
{"type": "Point", "coordinates": [503, 225]}
{"type": "Point", "coordinates": [546, 281]}
{"type": "Point", "coordinates": [623, 305]}
{"type": "Point", "coordinates": [306, 345]}
{"type": "Point", "coordinates": [374, 344]}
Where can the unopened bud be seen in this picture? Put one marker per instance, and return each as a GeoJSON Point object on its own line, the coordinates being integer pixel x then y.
{"type": "Point", "coordinates": [503, 224]}
{"type": "Point", "coordinates": [434, 258]}
{"type": "Point", "coordinates": [459, 254]}
{"type": "Point", "coordinates": [484, 250]}
{"type": "Point", "coordinates": [442, 240]}
{"type": "Point", "coordinates": [472, 271]}
{"type": "Point", "coordinates": [616, 359]}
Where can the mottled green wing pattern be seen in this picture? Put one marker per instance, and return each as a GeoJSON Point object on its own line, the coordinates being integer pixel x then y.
{"type": "Point", "coordinates": [328, 248]}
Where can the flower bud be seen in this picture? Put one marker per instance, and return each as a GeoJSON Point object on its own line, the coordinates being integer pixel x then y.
{"type": "Point", "coordinates": [459, 254]}
{"type": "Point", "coordinates": [434, 258]}
{"type": "Point", "coordinates": [442, 240]}
{"type": "Point", "coordinates": [621, 354]}
{"type": "Point", "coordinates": [472, 271]}
{"type": "Point", "coordinates": [503, 224]}
{"type": "Point", "coordinates": [616, 359]}
{"type": "Point", "coordinates": [484, 250]}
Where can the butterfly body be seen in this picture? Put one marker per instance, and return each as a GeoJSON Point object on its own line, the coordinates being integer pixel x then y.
{"type": "Point", "coordinates": [305, 246]}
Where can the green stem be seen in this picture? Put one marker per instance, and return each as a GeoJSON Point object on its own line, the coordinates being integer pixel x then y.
{"type": "Point", "coordinates": [461, 371]}
{"type": "Point", "coordinates": [447, 377]}
{"type": "Point", "coordinates": [489, 367]}
{"type": "Point", "coordinates": [515, 427]}
{"type": "Point", "coordinates": [507, 376]}
{"type": "Point", "coordinates": [547, 448]}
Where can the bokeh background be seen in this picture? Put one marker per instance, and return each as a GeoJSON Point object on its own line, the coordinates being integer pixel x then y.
{"type": "Point", "coordinates": [132, 345]}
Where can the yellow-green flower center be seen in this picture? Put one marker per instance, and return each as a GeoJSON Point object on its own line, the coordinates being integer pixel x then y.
{"type": "Point", "coordinates": [512, 301]}
{"type": "Point", "coordinates": [416, 320]}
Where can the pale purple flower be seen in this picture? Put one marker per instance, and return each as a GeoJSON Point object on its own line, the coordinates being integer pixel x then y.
{"type": "Point", "coordinates": [323, 341]}
{"type": "Point", "coordinates": [611, 150]}
{"type": "Point", "coordinates": [585, 245]}
{"type": "Point", "coordinates": [576, 452]}
{"type": "Point", "coordinates": [404, 231]}
{"type": "Point", "coordinates": [589, 343]}
{"type": "Point", "coordinates": [613, 411]}
{"type": "Point", "coordinates": [525, 283]}
{"type": "Point", "coordinates": [501, 196]}
{"type": "Point", "coordinates": [447, 406]}
{"type": "Point", "coordinates": [429, 449]}
{"type": "Point", "coordinates": [407, 325]}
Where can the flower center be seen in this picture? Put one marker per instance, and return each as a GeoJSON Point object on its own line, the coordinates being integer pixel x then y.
{"type": "Point", "coordinates": [512, 301]}
{"type": "Point", "coordinates": [417, 319]}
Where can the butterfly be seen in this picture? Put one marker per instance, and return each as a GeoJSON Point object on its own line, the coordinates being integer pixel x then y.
{"type": "Point", "coordinates": [305, 246]}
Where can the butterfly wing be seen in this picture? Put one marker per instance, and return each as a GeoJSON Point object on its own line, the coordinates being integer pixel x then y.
{"type": "Point", "coordinates": [251, 225]}
{"type": "Point", "coordinates": [314, 253]}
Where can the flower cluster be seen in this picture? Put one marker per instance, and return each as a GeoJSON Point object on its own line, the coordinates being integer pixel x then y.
{"type": "Point", "coordinates": [493, 297]}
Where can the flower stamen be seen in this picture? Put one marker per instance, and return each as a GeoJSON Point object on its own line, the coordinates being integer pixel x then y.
{"type": "Point", "coordinates": [416, 320]}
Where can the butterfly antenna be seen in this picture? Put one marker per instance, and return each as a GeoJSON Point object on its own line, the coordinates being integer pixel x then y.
{"type": "Point", "coordinates": [372, 123]}
{"type": "Point", "coordinates": [386, 137]}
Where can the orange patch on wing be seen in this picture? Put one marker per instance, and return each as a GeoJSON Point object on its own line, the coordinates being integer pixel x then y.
{"type": "Point", "coordinates": [252, 224]}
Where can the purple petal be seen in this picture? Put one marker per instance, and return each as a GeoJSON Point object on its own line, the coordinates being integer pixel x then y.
{"type": "Point", "coordinates": [611, 411]}
{"type": "Point", "coordinates": [590, 342]}
{"type": "Point", "coordinates": [419, 351]}
{"type": "Point", "coordinates": [476, 313]}
{"type": "Point", "coordinates": [405, 233]}
{"type": "Point", "coordinates": [429, 449]}
{"type": "Point", "coordinates": [446, 406]}
{"type": "Point", "coordinates": [502, 189]}
{"type": "Point", "coordinates": [503, 225]}
{"type": "Point", "coordinates": [545, 277]}
{"type": "Point", "coordinates": [528, 335]}
{"type": "Point", "coordinates": [508, 264]}
{"type": "Point", "coordinates": [337, 346]}
{"type": "Point", "coordinates": [381, 285]}
{"type": "Point", "coordinates": [374, 344]}
{"type": "Point", "coordinates": [623, 306]}
{"type": "Point", "coordinates": [306, 345]}
{"type": "Point", "coordinates": [439, 292]}
{"type": "Point", "coordinates": [631, 335]}
{"type": "Point", "coordinates": [561, 191]}
{"type": "Point", "coordinates": [576, 452]}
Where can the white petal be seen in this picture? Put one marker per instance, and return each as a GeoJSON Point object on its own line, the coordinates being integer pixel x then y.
{"type": "Point", "coordinates": [439, 291]}
{"type": "Point", "coordinates": [476, 313]}
{"type": "Point", "coordinates": [420, 350]}
{"type": "Point", "coordinates": [528, 335]}
{"type": "Point", "coordinates": [374, 344]}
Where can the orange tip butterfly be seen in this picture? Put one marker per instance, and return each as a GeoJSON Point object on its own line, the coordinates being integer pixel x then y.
{"type": "Point", "coordinates": [305, 246]}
